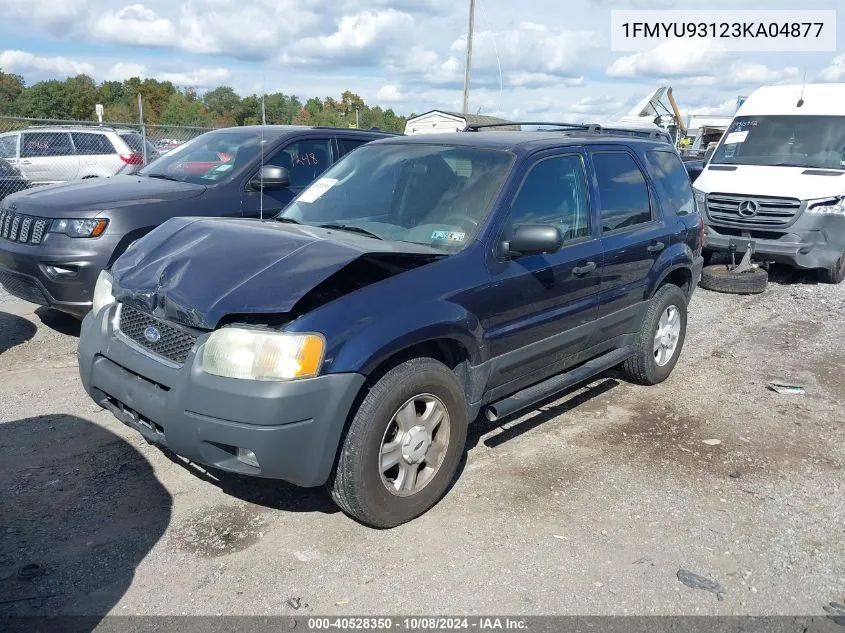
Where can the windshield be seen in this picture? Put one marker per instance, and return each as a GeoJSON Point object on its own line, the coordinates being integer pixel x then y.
{"type": "Point", "coordinates": [784, 140]}
{"type": "Point", "coordinates": [208, 158]}
{"type": "Point", "coordinates": [426, 194]}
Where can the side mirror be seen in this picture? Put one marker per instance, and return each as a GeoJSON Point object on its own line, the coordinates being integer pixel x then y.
{"type": "Point", "coordinates": [533, 239]}
{"type": "Point", "coordinates": [271, 177]}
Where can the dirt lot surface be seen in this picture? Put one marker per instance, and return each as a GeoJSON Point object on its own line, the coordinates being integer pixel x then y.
{"type": "Point", "coordinates": [590, 505]}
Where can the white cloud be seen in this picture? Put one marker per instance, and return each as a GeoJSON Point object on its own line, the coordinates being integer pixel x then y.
{"type": "Point", "coordinates": [532, 48]}
{"type": "Point", "coordinates": [134, 24]}
{"type": "Point", "coordinates": [391, 93]}
{"type": "Point", "coordinates": [520, 78]}
{"type": "Point", "coordinates": [123, 70]}
{"type": "Point", "coordinates": [835, 71]}
{"type": "Point", "coordinates": [58, 18]}
{"type": "Point", "coordinates": [200, 78]}
{"type": "Point", "coordinates": [355, 35]}
{"type": "Point", "coordinates": [22, 62]}
{"type": "Point", "coordinates": [604, 104]}
{"type": "Point", "coordinates": [671, 58]}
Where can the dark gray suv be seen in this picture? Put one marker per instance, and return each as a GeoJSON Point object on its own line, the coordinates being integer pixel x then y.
{"type": "Point", "coordinates": [55, 239]}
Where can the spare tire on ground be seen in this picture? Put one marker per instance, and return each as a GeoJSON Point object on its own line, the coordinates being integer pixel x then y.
{"type": "Point", "coordinates": [720, 278]}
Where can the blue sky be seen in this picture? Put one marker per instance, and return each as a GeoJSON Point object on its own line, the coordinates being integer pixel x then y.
{"type": "Point", "coordinates": [548, 59]}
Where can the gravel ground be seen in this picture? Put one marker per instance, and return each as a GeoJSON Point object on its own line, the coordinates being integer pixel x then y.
{"type": "Point", "coordinates": [589, 505]}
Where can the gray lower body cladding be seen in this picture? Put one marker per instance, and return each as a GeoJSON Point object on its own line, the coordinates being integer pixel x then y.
{"type": "Point", "coordinates": [293, 428]}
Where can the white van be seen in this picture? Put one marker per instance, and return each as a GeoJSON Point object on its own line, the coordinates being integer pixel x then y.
{"type": "Point", "coordinates": [777, 180]}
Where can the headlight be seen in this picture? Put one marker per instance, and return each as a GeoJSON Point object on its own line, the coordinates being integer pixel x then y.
{"type": "Point", "coordinates": [102, 292]}
{"type": "Point", "coordinates": [827, 206]}
{"type": "Point", "coordinates": [79, 228]}
{"type": "Point", "coordinates": [700, 199]}
{"type": "Point", "coordinates": [255, 355]}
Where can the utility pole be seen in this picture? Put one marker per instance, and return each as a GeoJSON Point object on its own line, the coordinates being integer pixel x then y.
{"type": "Point", "coordinates": [469, 55]}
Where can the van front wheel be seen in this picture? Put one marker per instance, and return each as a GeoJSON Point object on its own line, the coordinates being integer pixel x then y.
{"type": "Point", "coordinates": [403, 445]}
{"type": "Point", "coordinates": [835, 274]}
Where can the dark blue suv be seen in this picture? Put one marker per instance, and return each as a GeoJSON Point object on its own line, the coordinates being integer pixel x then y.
{"type": "Point", "coordinates": [416, 284]}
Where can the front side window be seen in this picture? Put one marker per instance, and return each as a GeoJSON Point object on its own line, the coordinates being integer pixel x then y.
{"type": "Point", "coordinates": [9, 146]}
{"type": "Point", "coordinates": [46, 144]}
{"type": "Point", "coordinates": [672, 180]}
{"type": "Point", "coordinates": [555, 192]}
{"type": "Point", "coordinates": [623, 191]}
{"type": "Point", "coordinates": [434, 195]}
{"type": "Point", "coordinates": [304, 160]}
{"type": "Point", "coordinates": [784, 141]}
{"type": "Point", "coordinates": [88, 144]}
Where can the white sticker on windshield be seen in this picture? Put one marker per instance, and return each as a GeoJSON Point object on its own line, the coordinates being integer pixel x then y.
{"type": "Point", "coordinates": [736, 137]}
{"type": "Point", "coordinates": [317, 189]}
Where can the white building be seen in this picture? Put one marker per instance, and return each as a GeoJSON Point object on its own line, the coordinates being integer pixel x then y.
{"type": "Point", "coordinates": [439, 121]}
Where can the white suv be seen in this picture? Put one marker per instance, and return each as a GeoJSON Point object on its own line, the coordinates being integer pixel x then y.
{"type": "Point", "coordinates": [48, 154]}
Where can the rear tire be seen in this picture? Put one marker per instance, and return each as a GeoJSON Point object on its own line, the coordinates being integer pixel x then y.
{"type": "Point", "coordinates": [400, 411]}
{"type": "Point", "coordinates": [720, 279]}
{"type": "Point", "coordinates": [661, 337]}
{"type": "Point", "coordinates": [835, 274]}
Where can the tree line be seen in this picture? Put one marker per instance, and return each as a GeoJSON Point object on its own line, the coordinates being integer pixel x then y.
{"type": "Point", "coordinates": [167, 104]}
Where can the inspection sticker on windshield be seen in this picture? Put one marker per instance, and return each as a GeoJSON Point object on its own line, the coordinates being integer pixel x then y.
{"type": "Point", "coordinates": [736, 137]}
{"type": "Point", "coordinates": [449, 236]}
{"type": "Point", "coordinates": [317, 189]}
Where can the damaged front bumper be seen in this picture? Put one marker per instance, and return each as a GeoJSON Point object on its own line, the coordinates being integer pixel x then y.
{"type": "Point", "coordinates": [813, 241]}
{"type": "Point", "coordinates": [291, 428]}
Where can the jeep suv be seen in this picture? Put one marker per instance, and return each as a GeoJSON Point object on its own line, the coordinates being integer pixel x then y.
{"type": "Point", "coordinates": [49, 154]}
{"type": "Point", "coordinates": [55, 239]}
{"type": "Point", "coordinates": [419, 282]}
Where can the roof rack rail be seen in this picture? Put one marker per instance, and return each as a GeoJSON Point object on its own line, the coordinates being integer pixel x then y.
{"type": "Point", "coordinates": [474, 127]}
{"type": "Point", "coordinates": [354, 129]}
{"type": "Point", "coordinates": [589, 128]}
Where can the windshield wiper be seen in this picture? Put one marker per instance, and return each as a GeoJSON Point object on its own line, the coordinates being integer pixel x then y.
{"type": "Point", "coordinates": [162, 177]}
{"type": "Point", "coordinates": [351, 229]}
{"type": "Point", "coordinates": [279, 218]}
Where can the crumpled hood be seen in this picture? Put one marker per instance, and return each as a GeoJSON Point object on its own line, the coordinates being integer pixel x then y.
{"type": "Point", "coordinates": [70, 199]}
{"type": "Point", "coordinates": [196, 271]}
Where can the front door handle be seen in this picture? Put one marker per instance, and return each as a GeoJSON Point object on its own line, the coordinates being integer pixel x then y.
{"type": "Point", "coordinates": [583, 270]}
{"type": "Point", "coordinates": [656, 247]}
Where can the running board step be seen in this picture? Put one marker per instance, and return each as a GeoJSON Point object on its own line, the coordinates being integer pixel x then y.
{"type": "Point", "coordinates": [531, 395]}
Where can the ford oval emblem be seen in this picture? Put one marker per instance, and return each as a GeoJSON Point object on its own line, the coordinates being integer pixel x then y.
{"type": "Point", "coordinates": [152, 334]}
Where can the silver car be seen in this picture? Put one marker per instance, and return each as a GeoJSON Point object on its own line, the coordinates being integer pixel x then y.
{"type": "Point", "coordinates": [50, 154]}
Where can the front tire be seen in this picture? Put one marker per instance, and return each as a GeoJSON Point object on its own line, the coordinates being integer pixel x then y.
{"type": "Point", "coordinates": [661, 337]}
{"type": "Point", "coordinates": [403, 445]}
{"type": "Point", "coordinates": [835, 274]}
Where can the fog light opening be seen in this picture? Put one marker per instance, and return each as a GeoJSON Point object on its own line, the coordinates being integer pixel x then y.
{"type": "Point", "coordinates": [247, 457]}
{"type": "Point", "coordinates": [57, 272]}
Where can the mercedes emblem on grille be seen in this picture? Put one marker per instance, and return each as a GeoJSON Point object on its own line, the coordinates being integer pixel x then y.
{"type": "Point", "coordinates": [747, 208]}
{"type": "Point", "coordinates": [152, 334]}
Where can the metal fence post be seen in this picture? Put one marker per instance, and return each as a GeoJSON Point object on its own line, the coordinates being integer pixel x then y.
{"type": "Point", "coordinates": [143, 127]}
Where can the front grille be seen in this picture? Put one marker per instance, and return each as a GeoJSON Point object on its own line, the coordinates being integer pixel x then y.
{"type": "Point", "coordinates": [18, 227]}
{"type": "Point", "coordinates": [752, 211]}
{"type": "Point", "coordinates": [174, 343]}
{"type": "Point", "coordinates": [23, 289]}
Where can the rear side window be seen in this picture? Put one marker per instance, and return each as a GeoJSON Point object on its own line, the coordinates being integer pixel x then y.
{"type": "Point", "coordinates": [45, 144]}
{"type": "Point", "coordinates": [135, 142]}
{"type": "Point", "coordinates": [90, 144]}
{"type": "Point", "coordinates": [348, 144]}
{"type": "Point", "coordinates": [555, 192]}
{"type": "Point", "coordinates": [672, 181]}
{"type": "Point", "coordinates": [623, 191]}
{"type": "Point", "coordinates": [8, 146]}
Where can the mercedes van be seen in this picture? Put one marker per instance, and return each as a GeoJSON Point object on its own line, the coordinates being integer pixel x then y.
{"type": "Point", "coordinates": [776, 181]}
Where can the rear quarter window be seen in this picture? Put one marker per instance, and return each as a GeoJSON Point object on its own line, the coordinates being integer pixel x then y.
{"type": "Point", "coordinates": [672, 181]}
{"type": "Point", "coordinates": [92, 144]}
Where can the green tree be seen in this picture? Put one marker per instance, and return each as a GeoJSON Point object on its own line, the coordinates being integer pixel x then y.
{"type": "Point", "coordinates": [184, 109]}
{"type": "Point", "coordinates": [11, 87]}
{"type": "Point", "coordinates": [81, 94]}
{"type": "Point", "coordinates": [46, 100]}
{"type": "Point", "coordinates": [221, 100]}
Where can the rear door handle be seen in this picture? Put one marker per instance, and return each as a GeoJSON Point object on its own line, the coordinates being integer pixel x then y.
{"type": "Point", "coordinates": [583, 270]}
{"type": "Point", "coordinates": [656, 248]}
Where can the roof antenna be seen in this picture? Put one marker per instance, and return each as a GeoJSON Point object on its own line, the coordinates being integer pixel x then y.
{"type": "Point", "coordinates": [261, 168]}
{"type": "Point", "coordinates": [801, 98]}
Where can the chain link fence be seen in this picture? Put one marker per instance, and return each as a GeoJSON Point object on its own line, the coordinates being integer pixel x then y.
{"type": "Point", "coordinates": [43, 151]}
